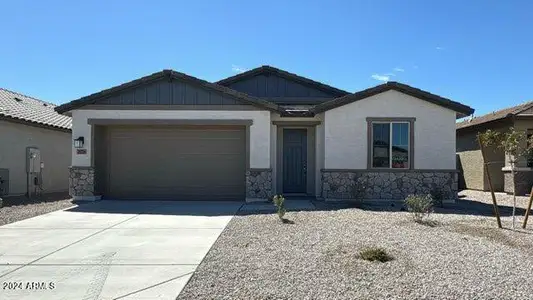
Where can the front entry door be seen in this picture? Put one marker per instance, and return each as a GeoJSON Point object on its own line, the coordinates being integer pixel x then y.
{"type": "Point", "coordinates": [294, 160]}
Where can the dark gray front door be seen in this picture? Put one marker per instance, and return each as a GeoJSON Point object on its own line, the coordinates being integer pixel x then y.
{"type": "Point", "coordinates": [294, 160]}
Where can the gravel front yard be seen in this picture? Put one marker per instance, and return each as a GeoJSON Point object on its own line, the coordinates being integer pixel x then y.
{"type": "Point", "coordinates": [19, 208]}
{"type": "Point", "coordinates": [463, 257]}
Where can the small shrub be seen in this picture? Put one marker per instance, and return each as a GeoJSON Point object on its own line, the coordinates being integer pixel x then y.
{"type": "Point", "coordinates": [279, 202]}
{"type": "Point", "coordinates": [419, 206]}
{"type": "Point", "coordinates": [375, 254]}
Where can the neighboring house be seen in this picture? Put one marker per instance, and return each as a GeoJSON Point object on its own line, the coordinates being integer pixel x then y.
{"type": "Point", "coordinates": [471, 162]}
{"type": "Point", "coordinates": [263, 132]}
{"type": "Point", "coordinates": [35, 146]}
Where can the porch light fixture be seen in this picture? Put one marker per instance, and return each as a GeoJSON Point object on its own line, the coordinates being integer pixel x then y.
{"type": "Point", "coordinates": [78, 143]}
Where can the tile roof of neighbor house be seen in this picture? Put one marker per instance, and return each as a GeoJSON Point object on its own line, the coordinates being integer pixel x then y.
{"type": "Point", "coordinates": [170, 74]}
{"type": "Point", "coordinates": [464, 110]}
{"type": "Point", "coordinates": [282, 73]}
{"type": "Point", "coordinates": [493, 116]}
{"type": "Point", "coordinates": [21, 108]}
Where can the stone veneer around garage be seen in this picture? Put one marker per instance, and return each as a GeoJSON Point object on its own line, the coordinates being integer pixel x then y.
{"type": "Point", "coordinates": [81, 183]}
{"type": "Point", "coordinates": [368, 185]}
{"type": "Point", "coordinates": [258, 185]}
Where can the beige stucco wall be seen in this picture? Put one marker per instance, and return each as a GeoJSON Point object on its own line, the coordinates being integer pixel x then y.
{"type": "Point", "coordinates": [471, 160]}
{"type": "Point", "coordinates": [55, 147]}
{"type": "Point", "coordinates": [345, 133]}
{"type": "Point", "coordinates": [260, 130]}
{"type": "Point", "coordinates": [472, 169]}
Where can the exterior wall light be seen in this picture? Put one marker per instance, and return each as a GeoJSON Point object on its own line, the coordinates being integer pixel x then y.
{"type": "Point", "coordinates": [78, 143]}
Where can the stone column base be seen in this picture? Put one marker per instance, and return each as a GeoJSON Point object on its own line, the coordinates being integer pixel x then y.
{"type": "Point", "coordinates": [523, 181]}
{"type": "Point", "coordinates": [364, 185]}
{"type": "Point", "coordinates": [81, 184]}
{"type": "Point", "coordinates": [258, 185]}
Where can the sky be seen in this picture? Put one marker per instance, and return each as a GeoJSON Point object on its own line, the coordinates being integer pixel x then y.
{"type": "Point", "coordinates": [479, 53]}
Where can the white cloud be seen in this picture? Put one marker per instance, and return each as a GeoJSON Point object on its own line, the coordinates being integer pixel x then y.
{"type": "Point", "coordinates": [380, 77]}
{"type": "Point", "coordinates": [439, 48]}
{"type": "Point", "coordinates": [237, 69]}
{"type": "Point", "coordinates": [398, 69]}
{"type": "Point", "coordinates": [389, 74]}
{"type": "Point", "coordinates": [415, 67]}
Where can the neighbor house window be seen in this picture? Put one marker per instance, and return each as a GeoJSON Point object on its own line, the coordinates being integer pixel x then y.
{"type": "Point", "coordinates": [390, 145]}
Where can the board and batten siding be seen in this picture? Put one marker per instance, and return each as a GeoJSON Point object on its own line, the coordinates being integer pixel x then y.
{"type": "Point", "coordinates": [345, 132]}
{"type": "Point", "coordinates": [279, 90]}
{"type": "Point", "coordinates": [259, 130]}
{"type": "Point", "coordinates": [163, 92]}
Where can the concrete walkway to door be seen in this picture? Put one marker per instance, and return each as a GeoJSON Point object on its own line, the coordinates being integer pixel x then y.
{"type": "Point", "coordinates": [109, 249]}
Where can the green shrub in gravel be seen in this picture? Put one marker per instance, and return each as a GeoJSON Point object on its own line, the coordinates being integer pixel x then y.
{"type": "Point", "coordinates": [375, 254]}
{"type": "Point", "coordinates": [279, 202]}
{"type": "Point", "coordinates": [420, 206]}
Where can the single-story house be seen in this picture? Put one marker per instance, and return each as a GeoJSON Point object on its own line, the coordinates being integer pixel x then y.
{"type": "Point", "coordinates": [35, 146]}
{"type": "Point", "coordinates": [262, 132]}
{"type": "Point", "coordinates": [470, 161]}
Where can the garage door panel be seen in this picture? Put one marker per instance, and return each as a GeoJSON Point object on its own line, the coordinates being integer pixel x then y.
{"type": "Point", "coordinates": [171, 162]}
{"type": "Point", "coordinates": [180, 146]}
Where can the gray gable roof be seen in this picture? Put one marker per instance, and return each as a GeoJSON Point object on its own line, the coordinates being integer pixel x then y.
{"type": "Point", "coordinates": [495, 115]}
{"type": "Point", "coordinates": [343, 97]}
{"type": "Point", "coordinates": [461, 109]}
{"type": "Point", "coordinates": [20, 108]}
{"type": "Point", "coordinates": [170, 75]}
{"type": "Point", "coordinates": [267, 70]}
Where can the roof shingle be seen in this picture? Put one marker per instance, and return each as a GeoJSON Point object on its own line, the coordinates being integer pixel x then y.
{"type": "Point", "coordinates": [462, 109]}
{"type": "Point", "coordinates": [24, 108]}
{"type": "Point", "coordinates": [496, 115]}
{"type": "Point", "coordinates": [291, 76]}
{"type": "Point", "coordinates": [170, 74]}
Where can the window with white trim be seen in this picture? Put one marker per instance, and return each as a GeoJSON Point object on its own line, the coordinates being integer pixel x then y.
{"type": "Point", "coordinates": [390, 145]}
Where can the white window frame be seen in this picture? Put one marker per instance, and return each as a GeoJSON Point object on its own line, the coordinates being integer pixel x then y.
{"type": "Point", "coordinates": [390, 144]}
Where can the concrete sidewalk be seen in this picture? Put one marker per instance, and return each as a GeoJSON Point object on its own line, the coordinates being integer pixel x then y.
{"type": "Point", "coordinates": [109, 249]}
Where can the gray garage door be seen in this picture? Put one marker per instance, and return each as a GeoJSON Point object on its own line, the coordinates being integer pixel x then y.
{"type": "Point", "coordinates": [177, 162]}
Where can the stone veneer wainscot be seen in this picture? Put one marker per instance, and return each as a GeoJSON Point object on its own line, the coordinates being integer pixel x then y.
{"type": "Point", "coordinates": [258, 185]}
{"type": "Point", "coordinates": [81, 183]}
{"type": "Point", "coordinates": [368, 185]}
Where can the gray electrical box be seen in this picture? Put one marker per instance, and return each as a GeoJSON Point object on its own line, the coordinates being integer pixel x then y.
{"type": "Point", "coordinates": [33, 160]}
{"type": "Point", "coordinates": [4, 182]}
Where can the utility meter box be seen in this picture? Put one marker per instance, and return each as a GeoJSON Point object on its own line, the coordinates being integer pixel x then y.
{"type": "Point", "coordinates": [33, 160]}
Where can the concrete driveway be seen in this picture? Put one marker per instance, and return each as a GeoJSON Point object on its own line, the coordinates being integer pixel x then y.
{"type": "Point", "coordinates": [109, 249]}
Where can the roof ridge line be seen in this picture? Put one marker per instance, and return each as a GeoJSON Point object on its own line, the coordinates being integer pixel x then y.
{"type": "Point", "coordinates": [517, 109]}
{"type": "Point", "coordinates": [526, 105]}
{"type": "Point", "coordinates": [23, 95]}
